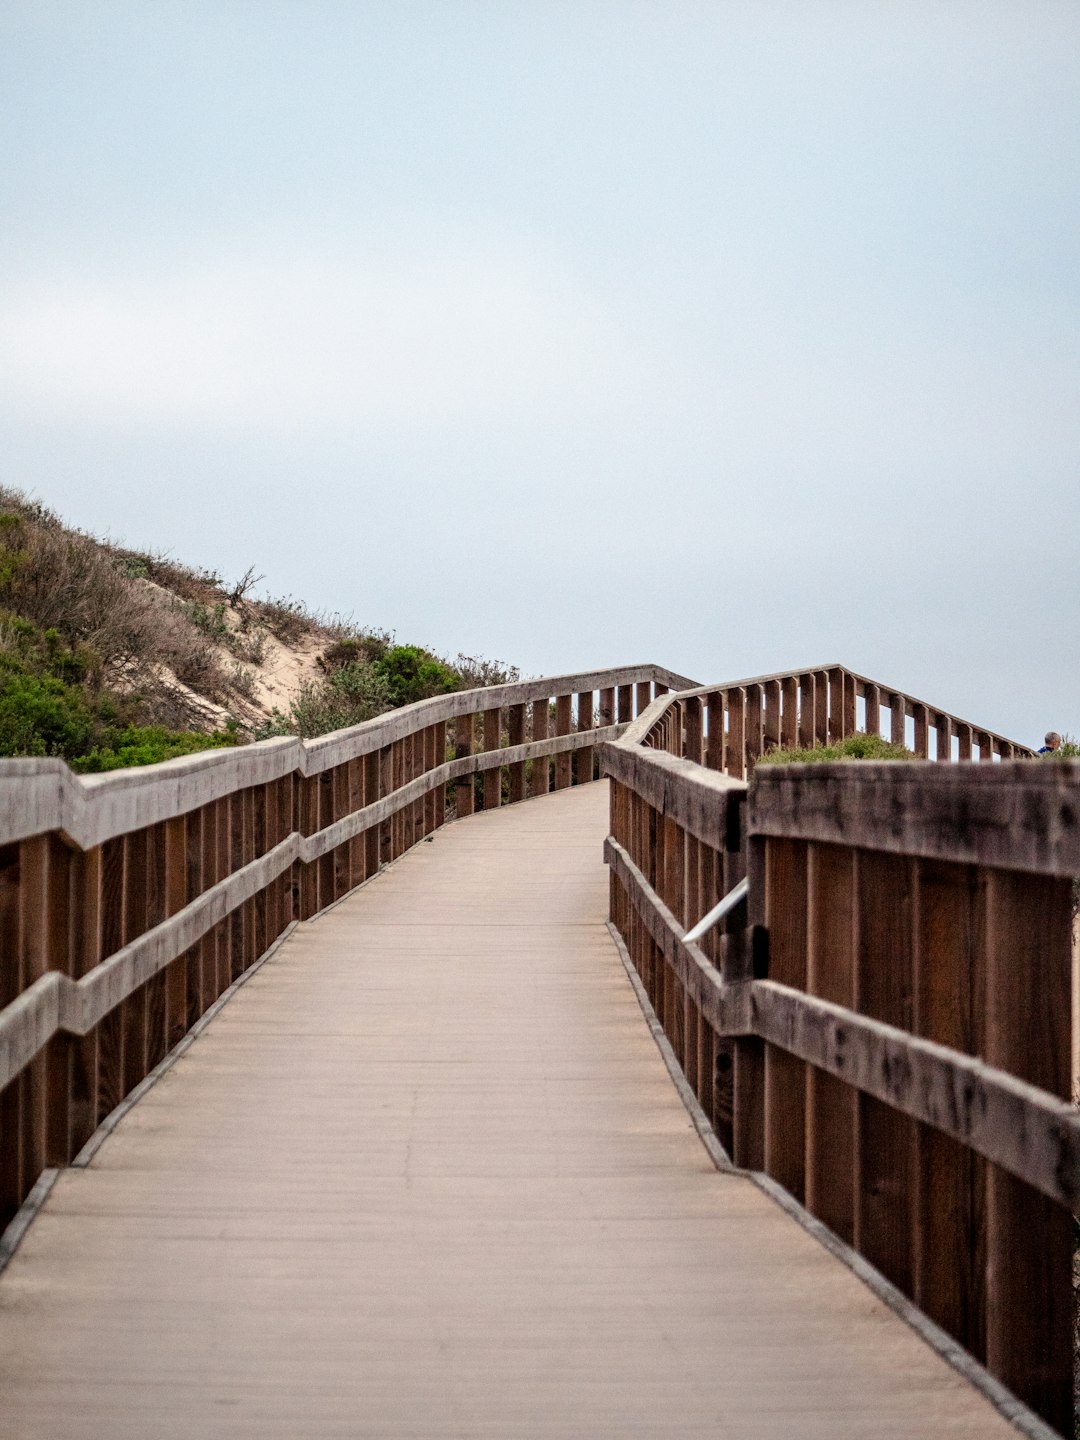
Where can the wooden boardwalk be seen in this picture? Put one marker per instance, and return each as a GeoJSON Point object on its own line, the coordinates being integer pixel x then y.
{"type": "Point", "coordinates": [426, 1175]}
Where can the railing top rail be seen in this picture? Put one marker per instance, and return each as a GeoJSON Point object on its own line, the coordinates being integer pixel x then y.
{"type": "Point", "coordinates": [1015, 815]}
{"type": "Point", "coordinates": [39, 795]}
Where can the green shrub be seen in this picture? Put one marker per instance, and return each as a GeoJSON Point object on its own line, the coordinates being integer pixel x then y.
{"type": "Point", "coordinates": [41, 715]}
{"type": "Point", "coordinates": [147, 745]}
{"type": "Point", "coordinates": [354, 693]}
{"type": "Point", "coordinates": [413, 674]}
{"type": "Point", "coordinates": [855, 747]}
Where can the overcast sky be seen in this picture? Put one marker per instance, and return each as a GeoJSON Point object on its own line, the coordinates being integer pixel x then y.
{"type": "Point", "coordinates": [739, 337]}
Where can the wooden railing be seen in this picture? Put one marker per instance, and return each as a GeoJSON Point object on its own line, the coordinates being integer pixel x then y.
{"type": "Point", "coordinates": [737, 722]}
{"type": "Point", "coordinates": [130, 901]}
{"type": "Point", "coordinates": [882, 1028]}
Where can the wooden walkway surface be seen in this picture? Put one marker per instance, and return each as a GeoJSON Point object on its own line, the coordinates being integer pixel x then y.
{"type": "Point", "coordinates": [426, 1175]}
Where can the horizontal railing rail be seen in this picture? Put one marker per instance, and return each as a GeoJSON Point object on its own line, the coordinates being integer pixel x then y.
{"type": "Point", "coordinates": [130, 901]}
{"type": "Point", "coordinates": [883, 1027]}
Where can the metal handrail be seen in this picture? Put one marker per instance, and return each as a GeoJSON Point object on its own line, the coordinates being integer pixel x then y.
{"type": "Point", "coordinates": [717, 913]}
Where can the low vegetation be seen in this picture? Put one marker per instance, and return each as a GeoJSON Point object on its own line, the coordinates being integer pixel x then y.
{"type": "Point", "coordinates": [855, 747]}
{"type": "Point", "coordinates": [112, 657]}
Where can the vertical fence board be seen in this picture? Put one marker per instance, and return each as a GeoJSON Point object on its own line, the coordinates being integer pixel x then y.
{"type": "Point", "coordinates": [111, 1029]}
{"type": "Point", "coordinates": [539, 778]}
{"type": "Point", "coordinates": [134, 1008]}
{"type": "Point", "coordinates": [736, 736]}
{"type": "Point", "coordinates": [86, 896]}
{"type": "Point", "coordinates": [785, 1076]}
{"type": "Point", "coordinates": [949, 1255]}
{"type": "Point", "coordinates": [515, 725]}
{"type": "Point", "coordinates": [464, 738]}
{"type": "Point", "coordinates": [754, 725]}
{"type": "Point", "coordinates": [563, 761]}
{"type": "Point", "coordinates": [830, 1104]}
{"type": "Point", "coordinates": [157, 998]}
{"type": "Point", "coordinates": [885, 1139]}
{"type": "Point", "coordinates": [585, 759]}
{"type": "Point", "coordinates": [174, 847]}
{"type": "Point", "coordinates": [1029, 1238]}
{"type": "Point", "coordinates": [807, 701]}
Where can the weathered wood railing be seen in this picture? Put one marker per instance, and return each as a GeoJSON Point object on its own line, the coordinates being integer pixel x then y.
{"type": "Point", "coordinates": [883, 1027]}
{"type": "Point", "coordinates": [729, 726]}
{"type": "Point", "coordinates": [130, 901]}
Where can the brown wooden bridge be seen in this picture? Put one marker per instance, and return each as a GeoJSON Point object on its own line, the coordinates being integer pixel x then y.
{"type": "Point", "coordinates": [712, 1100]}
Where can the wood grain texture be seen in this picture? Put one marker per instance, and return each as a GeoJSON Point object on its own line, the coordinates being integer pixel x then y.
{"type": "Point", "coordinates": [501, 1223]}
{"type": "Point", "coordinates": [1014, 814]}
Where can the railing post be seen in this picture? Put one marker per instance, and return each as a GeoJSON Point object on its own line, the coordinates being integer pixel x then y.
{"type": "Point", "coordinates": [202, 974]}
{"type": "Point", "coordinates": [515, 724]}
{"type": "Point", "coordinates": [86, 889]}
{"type": "Point", "coordinates": [157, 987]}
{"type": "Point", "coordinates": [789, 712]}
{"type": "Point", "coordinates": [309, 824]}
{"type": "Point", "coordinates": [836, 705]}
{"type": "Point", "coordinates": [785, 1076]}
{"type": "Point", "coordinates": [693, 729]}
{"type": "Point", "coordinates": [223, 855]}
{"type": "Point", "coordinates": [714, 752]}
{"type": "Point", "coordinates": [736, 736]}
{"type": "Point", "coordinates": [111, 1029]}
{"type": "Point", "coordinates": [372, 792]}
{"type": "Point", "coordinates": [1028, 1237]}
{"type": "Point", "coordinates": [440, 759]}
{"type": "Point", "coordinates": [872, 696]}
{"type": "Point", "coordinates": [540, 775]}
{"type": "Point", "coordinates": [176, 882]}
{"type": "Point", "coordinates": [747, 1054]}
{"type": "Point", "coordinates": [771, 728]}
{"type": "Point", "coordinates": [885, 1138]}
{"type": "Point", "coordinates": [897, 719]}
{"type": "Point", "coordinates": [464, 795]}
{"type": "Point", "coordinates": [134, 1008]}
{"type": "Point", "coordinates": [492, 741]}
{"type": "Point", "coordinates": [754, 720]}
{"type": "Point", "coordinates": [807, 702]}
{"type": "Point", "coordinates": [644, 696]}
{"type": "Point", "coordinates": [586, 757]}
{"type": "Point", "coordinates": [942, 737]}
{"type": "Point", "coordinates": [43, 946]}
{"type": "Point", "coordinates": [563, 760]}
{"type": "Point", "coordinates": [922, 732]}
{"type": "Point", "coordinates": [397, 780]}
{"type": "Point", "coordinates": [830, 973]}
{"type": "Point", "coordinates": [822, 726]}
{"type": "Point", "coordinates": [950, 1241]}
{"type": "Point", "coordinates": [849, 703]}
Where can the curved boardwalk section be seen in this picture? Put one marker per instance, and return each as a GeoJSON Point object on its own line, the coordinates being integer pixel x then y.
{"type": "Point", "coordinates": [426, 1175]}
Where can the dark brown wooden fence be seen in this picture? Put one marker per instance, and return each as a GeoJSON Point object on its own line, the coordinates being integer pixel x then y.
{"type": "Point", "coordinates": [883, 1027]}
{"type": "Point", "coordinates": [130, 901]}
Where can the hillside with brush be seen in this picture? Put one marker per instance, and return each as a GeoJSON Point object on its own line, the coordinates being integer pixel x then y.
{"type": "Point", "coordinates": [113, 657]}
